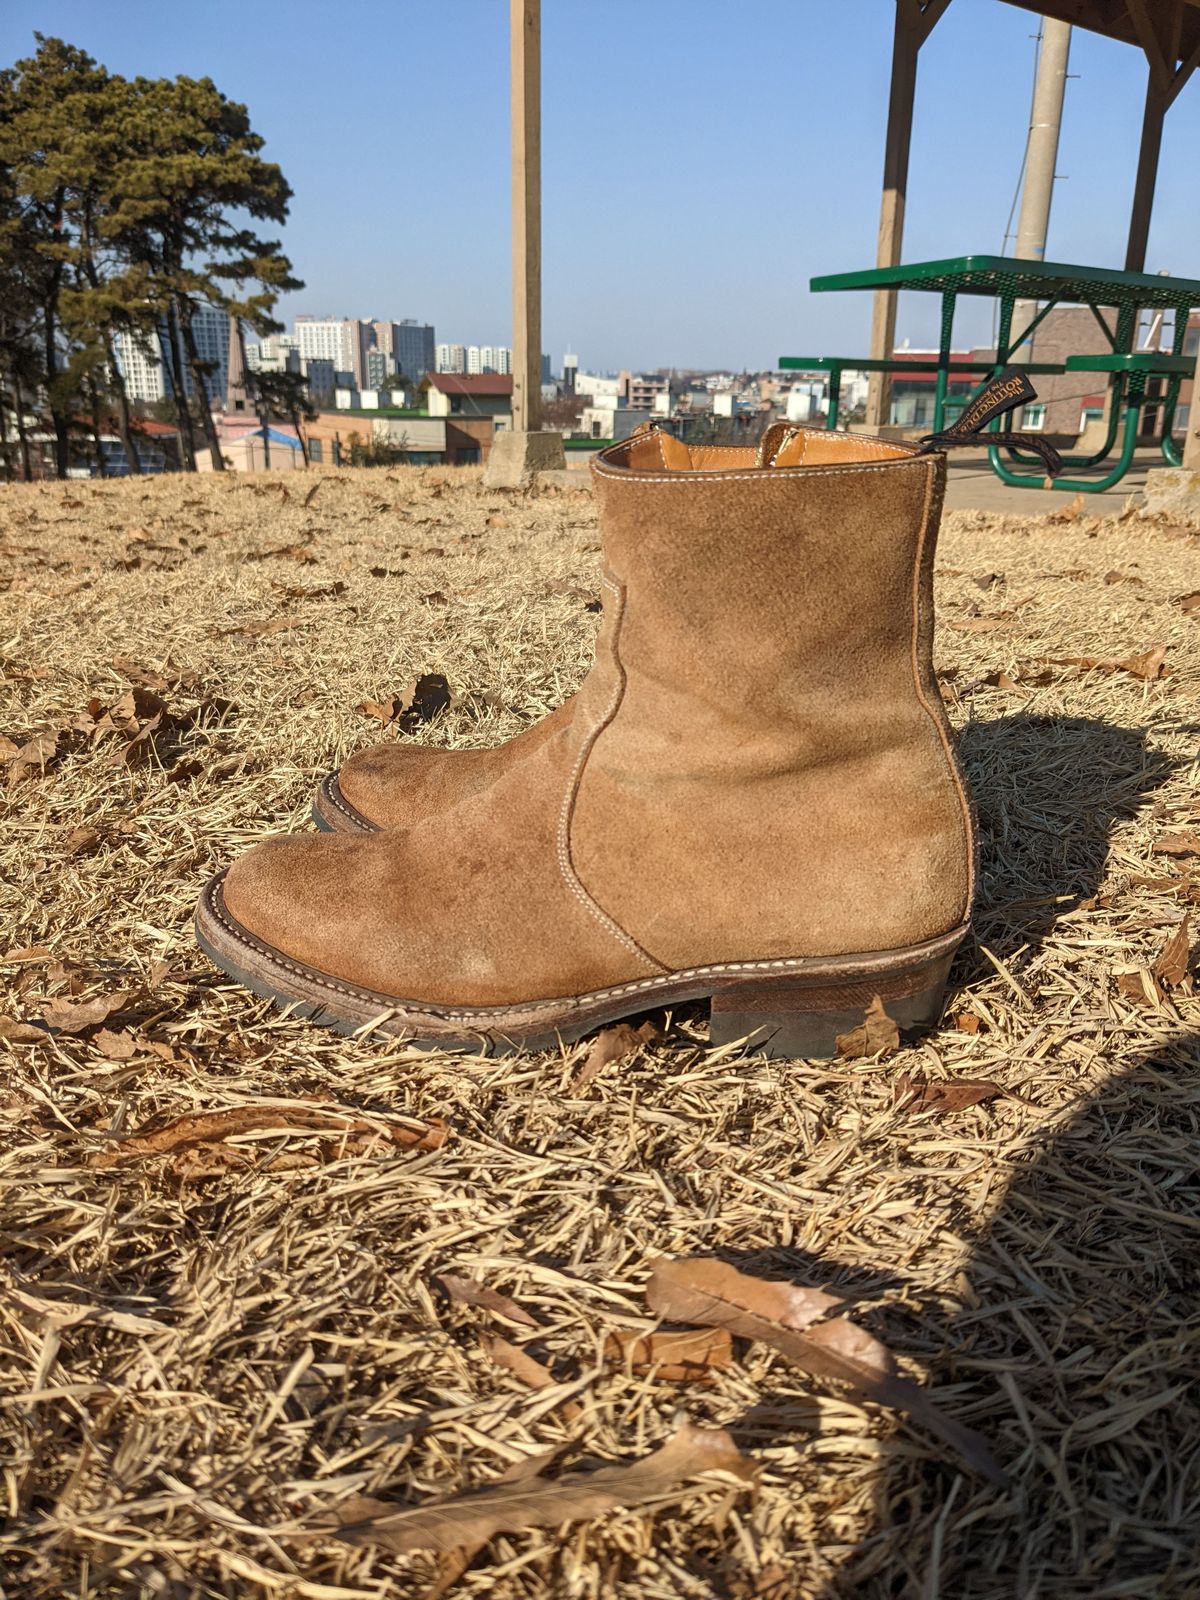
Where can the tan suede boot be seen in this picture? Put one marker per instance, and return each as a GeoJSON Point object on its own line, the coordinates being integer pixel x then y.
{"type": "Point", "coordinates": [754, 800]}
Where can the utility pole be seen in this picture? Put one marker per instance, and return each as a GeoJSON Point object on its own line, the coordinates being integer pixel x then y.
{"type": "Point", "coordinates": [1041, 153]}
{"type": "Point", "coordinates": [518, 454]}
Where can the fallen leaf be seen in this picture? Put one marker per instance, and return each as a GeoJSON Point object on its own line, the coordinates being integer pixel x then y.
{"type": "Point", "coordinates": [297, 591]}
{"type": "Point", "coordinates": [157, 1138]}
{"type": "Point", "coordinates": [610, 1044]}
{"type": "Point", "coordinates": [1189, 604]}
{"type": "Point", "coordinates": [876, 1032]}
{"type": "Point", "coordinates": [1068, 513]}
{"type": "Point", "coordinates": [297, 551]}
{"type": "Point", "coordinates": [1147, 665]}
{"type": "Point", "coordinates": [22, 1032]}
{"type": "Point", "coordinates": [497, 521]}
{"type": "Point", "coordinates": [185, 771]}
{"type": "Point", "coordinates": [466, 1292]}
{"type": "Point", "coordinates": [676, 1355]}
{"type": "Point", "coordinates": [1174, 959]}
{"type": "Point", "coordinates": [453, 1563]}
{"type": "Point", "coordinates": [127, 715]}
{"type": "Point", "coordinates": [967, 1022]}
{"type": "Point", "coordinates": [153, 678]}
{"type": "Point", "coordinates": [1150, 664]}
{"type": "Point", "coordinates": [312, 493]}
{"type": "Point", "coordinates": [116, 1046]}
{"type": "Point", "coordinates": [81, 841]}
{"type": "Point", "coordinates": [67, 1016]}
{"type": "Point", "coordinates": [942, 1098]}
{"type": "Point", "coordinates": [517, 1361]}
{"type": "Point", "coordinates": [528, 1369]}
{"type": "Point", "coordinates": [1142, 987]}
{"type": "Point", "coordinates": [788, 1318]}
{"type": "Point", "coordinates": [26, 953]}
{"type": "Point", "coordinates": [1123, 577]}
{"type": "Point", "coordinates": [1178, 844]}
{"type": "Point", "coordinates": [541, 1502]}
{"type": "Point", "coordinates": [261, 630]}
{"type": "Point", "coordinates": [35, 754]}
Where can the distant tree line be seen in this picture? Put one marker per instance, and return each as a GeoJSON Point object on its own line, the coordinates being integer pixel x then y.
{"type": "Point", "coordinates": [125, 206]}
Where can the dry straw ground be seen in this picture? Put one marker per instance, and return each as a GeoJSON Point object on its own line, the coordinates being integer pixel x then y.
{"type": "Point", "coordinates": [205, 1352]}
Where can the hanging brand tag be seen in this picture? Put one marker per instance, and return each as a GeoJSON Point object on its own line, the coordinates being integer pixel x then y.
{"type": "Point", "coordinates": [1004, 393]}
{"type": "Point", "coordinates": [1011, 389]}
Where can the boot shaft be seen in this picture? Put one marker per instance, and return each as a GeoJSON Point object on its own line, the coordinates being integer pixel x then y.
{"type": "Point", "coordinates": [763, 755]}
{"type": "Point", "coordinates": [773, 609]}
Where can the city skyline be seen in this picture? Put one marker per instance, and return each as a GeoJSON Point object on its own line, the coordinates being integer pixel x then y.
{"type": "Point", "coordinates": [692, 283]}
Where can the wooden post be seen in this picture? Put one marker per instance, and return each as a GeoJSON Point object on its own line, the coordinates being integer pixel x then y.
{"type": "Point", "coordinates": [526, 42]}
{"type": "Point", "coordinates": [1157, 101]}
{"type": "Point", "coordinates": [914, 23]}
{"type": "Point", "coordinates": [519, 453]}
{"type": "Point", "coordinates": [1191, 441]}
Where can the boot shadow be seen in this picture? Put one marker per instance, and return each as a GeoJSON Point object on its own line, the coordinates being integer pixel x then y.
{"type": "Point", "coordinates": [1044, 820]}
{"type": "Point", "coordinates": [1078, 1347]}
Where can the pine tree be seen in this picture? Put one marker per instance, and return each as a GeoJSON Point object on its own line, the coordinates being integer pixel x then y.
{"type": "Point", "coordinates": [47, 104]}
{"type": "Point", "coordinates": [192, 173]}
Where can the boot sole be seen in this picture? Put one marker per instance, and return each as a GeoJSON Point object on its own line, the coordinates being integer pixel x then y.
{"type": "Point", "coordinates": [333, 813]}
{"type": "Point", "coordinates": [784, 1009]}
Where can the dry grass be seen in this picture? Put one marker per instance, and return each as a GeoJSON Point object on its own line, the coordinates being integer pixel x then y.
{"type": "Point", "coordinates": [219, 1361]}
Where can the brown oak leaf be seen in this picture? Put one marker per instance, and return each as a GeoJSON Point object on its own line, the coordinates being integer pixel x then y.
{"type": "Point", "coordinates": [875, 1033]}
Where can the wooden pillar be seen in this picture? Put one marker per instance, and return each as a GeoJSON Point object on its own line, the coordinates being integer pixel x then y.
{"type": "Point", "coordinates": [914, 22]}
{"type": "Point", "coordinates": [526, 43]}
{"type": "Point", "coordinates": [1157, 100]}
{"type": "Point", "coordinates": [1191, 440]}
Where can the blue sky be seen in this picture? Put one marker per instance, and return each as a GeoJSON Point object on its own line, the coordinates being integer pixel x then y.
{"type": "Point", "coordinates": [702, 160]}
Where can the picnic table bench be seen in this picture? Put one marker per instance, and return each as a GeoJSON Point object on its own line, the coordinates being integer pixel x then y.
{"type": "Point", "coordinates": [1011, 280]}
{"type": "Point", "coordinates": [898, 365]}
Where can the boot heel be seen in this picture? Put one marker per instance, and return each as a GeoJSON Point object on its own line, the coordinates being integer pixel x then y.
{"type": "Point", "coordinates": [793, 1017]}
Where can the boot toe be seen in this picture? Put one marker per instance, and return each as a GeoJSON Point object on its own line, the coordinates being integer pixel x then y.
{"type": "Point", "coordinates": [286, 893]}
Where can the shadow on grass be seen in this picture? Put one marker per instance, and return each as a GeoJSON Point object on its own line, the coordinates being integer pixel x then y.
{"type": "Point", "coordinates": [1077, 1348]}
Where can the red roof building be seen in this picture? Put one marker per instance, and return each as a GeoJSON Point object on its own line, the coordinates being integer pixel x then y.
{"type": "Point", "coordinates": [451, 394]}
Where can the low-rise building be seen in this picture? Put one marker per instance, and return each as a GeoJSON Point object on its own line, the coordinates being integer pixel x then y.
{"type": "Point", "coordinates": [451, 394]}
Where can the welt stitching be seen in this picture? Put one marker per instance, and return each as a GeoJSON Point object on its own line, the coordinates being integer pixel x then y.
{"type": "Point", "coordinates": [681, 480]}
{"type": "Point", "coordinates": [566, 867]}
{"type": "Point", "coordinates": [789, 964]}
{"type": "Point", "coordinates": [347, 811]}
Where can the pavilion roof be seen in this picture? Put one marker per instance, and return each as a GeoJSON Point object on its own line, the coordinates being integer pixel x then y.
{"type": "Point", "coordinates": [1174, 25]}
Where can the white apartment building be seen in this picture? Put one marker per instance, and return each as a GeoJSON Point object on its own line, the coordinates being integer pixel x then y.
{"type": "Point", "coordinates": [140, 359]}
{"type": "Point", "coordinates": [143, 363]}
{"type": "Point", "coordinates": [278, 352]}
{"type": "Point", "coordinates": [451, 358]}
{"type": "Point", "coordinates": [495, 358]}
{"type": "Point", "coordinates": [341, 340]}
{"type": "Point", "coordinates": [604, 393]}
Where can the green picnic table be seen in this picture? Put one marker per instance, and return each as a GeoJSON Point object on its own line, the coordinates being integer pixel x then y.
{"type": "Point", "coordinates": [1009, 280]}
